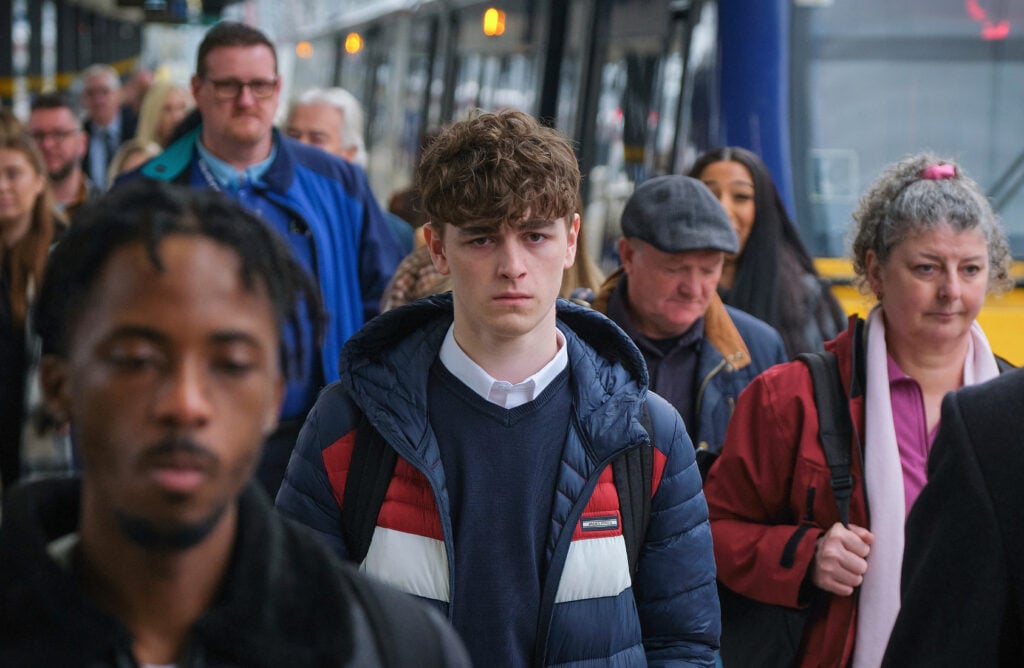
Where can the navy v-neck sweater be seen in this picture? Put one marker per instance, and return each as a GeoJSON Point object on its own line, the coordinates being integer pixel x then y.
{"type": "Point", "coordinates": [500, 466]}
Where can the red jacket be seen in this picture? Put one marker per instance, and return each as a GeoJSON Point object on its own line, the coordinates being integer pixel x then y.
{"type": "Point", "coordinates": [769, 498]}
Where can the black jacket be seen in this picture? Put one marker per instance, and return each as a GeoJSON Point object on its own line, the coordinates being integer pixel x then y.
{"type": "Point", "coordinates": [284, 601]}
{"type": "Point", "coordinates": [963, 564]}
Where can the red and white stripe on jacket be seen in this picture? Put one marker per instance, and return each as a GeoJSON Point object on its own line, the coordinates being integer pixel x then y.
{"type": "Point", "coordinates": [407, 549]}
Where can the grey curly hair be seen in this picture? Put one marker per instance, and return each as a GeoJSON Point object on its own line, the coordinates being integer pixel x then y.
{"type": "Point", "coordinates": [902, 203]}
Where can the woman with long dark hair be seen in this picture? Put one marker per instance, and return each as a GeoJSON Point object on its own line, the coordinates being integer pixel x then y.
{"type": "Point", "coordinates": [772, 277]}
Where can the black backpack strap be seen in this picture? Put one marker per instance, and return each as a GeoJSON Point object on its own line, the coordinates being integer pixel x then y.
{"type": "Point", "coordinates": [401, 627]}
{"type": "Point", "coordinates": [835, 427]}
{"type": "Point", "coordinates": [369, 474]}
{"type": "Point", "coordinates": [633, 472]}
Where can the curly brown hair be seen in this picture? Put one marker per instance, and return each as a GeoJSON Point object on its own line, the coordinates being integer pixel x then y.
{"type": "Point", "coordinates": [902, 203]}
{"type": "Point", "coordinates": [496, 167]}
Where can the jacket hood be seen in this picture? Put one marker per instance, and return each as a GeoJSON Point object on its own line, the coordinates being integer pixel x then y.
{"type": "Point", "coordinates": [385, 367]}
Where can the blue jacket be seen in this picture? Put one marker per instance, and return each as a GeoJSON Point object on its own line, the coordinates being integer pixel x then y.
{"type": "Point", "coordinates": [355, 252]}
{"type": "Point", "coordinates": [590, 610]}
{"type": "Point", "coordinates": [738, 348]}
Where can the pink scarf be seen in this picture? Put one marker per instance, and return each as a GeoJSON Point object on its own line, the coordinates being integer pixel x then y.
{"type": "Point", "coordinates": [883, 474]}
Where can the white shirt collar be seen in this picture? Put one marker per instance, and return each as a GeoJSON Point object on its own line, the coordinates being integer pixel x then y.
{"type": "Point", "coordinates": [501, 392]}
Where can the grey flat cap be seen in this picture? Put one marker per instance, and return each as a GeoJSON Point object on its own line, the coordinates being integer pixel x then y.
{"type": "Point", "coordinates": [676, 214]}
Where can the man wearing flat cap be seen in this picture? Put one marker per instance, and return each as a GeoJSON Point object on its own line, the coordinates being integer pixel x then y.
{"type": "Point", "coordinates": [700, 353]}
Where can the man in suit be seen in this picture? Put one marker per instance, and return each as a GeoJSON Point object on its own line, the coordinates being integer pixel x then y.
{"type": "Point", "coordinates": [108, 124]}
{"type": "Point", "coordinates": [963, 565]}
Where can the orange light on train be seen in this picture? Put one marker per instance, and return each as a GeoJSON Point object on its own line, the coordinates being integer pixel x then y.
{"type": "Point", "coordinates": [304, 50]}
{"type": "Point", "coordinates": [353, 43]}
{"type": "Point", "coordinates": [494, 22]}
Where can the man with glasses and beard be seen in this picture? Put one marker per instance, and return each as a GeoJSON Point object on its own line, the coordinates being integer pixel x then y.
{"type": "Point", "coordinates": [319, 204]}
{"type": "Point", "coordinates": [58, 132]}
{"type": "Point", "coordinates": [161, 317]}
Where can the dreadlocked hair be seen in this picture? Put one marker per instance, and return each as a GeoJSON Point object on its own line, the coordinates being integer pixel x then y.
{"type": "Point", "coordinates": [146, 212]}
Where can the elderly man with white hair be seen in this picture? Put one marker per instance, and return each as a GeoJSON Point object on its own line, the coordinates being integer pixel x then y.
{"type": "Point", "coordinates": [332, 119]}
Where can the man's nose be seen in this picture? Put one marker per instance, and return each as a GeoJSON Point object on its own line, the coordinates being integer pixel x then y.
{"type": "Point", "coordinates": [184, 399]}
{"type": "Point", "coordinates": [512, 263]}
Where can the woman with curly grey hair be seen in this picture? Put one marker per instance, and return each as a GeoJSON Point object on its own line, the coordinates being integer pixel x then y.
{"type": "Point", "coordinates": [928, 245]}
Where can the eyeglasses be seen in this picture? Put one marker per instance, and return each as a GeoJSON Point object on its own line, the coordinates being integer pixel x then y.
{"type": "Point", "coordinates": [229, 89]}
{"type": "Point", "coordinates": [58, 136]}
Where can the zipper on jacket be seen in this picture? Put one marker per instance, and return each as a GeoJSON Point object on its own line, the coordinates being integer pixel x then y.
{"type": "Point", "coordinates": [704, 385]}
{"type": "Point", "coordinates": [561, 551]}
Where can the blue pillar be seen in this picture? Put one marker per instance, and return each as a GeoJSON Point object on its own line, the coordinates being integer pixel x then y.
{"type": "Point", "coordinates": [753, 38]}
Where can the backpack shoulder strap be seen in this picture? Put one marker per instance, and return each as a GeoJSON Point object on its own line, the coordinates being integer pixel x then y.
{"type": "Point", "coordinates": [401, 627]}
{"type": "Point", "coordinates": [369, 474]}
{"type": "Point", "coordinates": [633, 472]}
{"type": "Point", "coordinates": [835, 427]}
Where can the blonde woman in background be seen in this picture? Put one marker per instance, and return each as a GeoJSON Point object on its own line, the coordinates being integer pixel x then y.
{"type": "Point", "coordinates": [164, 106]}
{"type": "Point", "coordinates": [133, 153]}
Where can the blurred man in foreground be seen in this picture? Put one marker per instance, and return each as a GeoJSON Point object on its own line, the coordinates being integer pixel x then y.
{"type": "Point", "coordinates": [161, 317]}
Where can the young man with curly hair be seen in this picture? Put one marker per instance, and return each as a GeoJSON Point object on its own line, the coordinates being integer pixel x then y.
{"type": "Point", "coordinates": [505, 409]}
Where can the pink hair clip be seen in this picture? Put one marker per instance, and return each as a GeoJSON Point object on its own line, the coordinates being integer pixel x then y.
{"type": "Point", "coordinates": [938, 172]}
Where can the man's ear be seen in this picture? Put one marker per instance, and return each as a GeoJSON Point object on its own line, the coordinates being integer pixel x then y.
{"type": "Point", "coordinates": [435, 243]}
{"type": "Point", "coordinates": [626, 251]}
{"type": "Point", "coordinates": [53, 378]}
{"type": "Point", "coordinates": [572, 240]}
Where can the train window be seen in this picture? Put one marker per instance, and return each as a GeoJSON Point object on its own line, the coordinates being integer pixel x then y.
{"type": "Point", "coordinates": [874, 80]}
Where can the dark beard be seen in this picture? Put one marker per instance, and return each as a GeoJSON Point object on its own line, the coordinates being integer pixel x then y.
{"type": "Point", "coordinates": [64, 171]}
{"type": "Point", "coordinates": [170, 537]}
{"type": "Point", "coordinates": [148, 535]}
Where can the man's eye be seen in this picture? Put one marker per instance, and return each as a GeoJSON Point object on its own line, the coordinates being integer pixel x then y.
{"type": "Point", "coordinates": [133, 362]}
{"type": "Point", "coordinates": [233, 367]}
